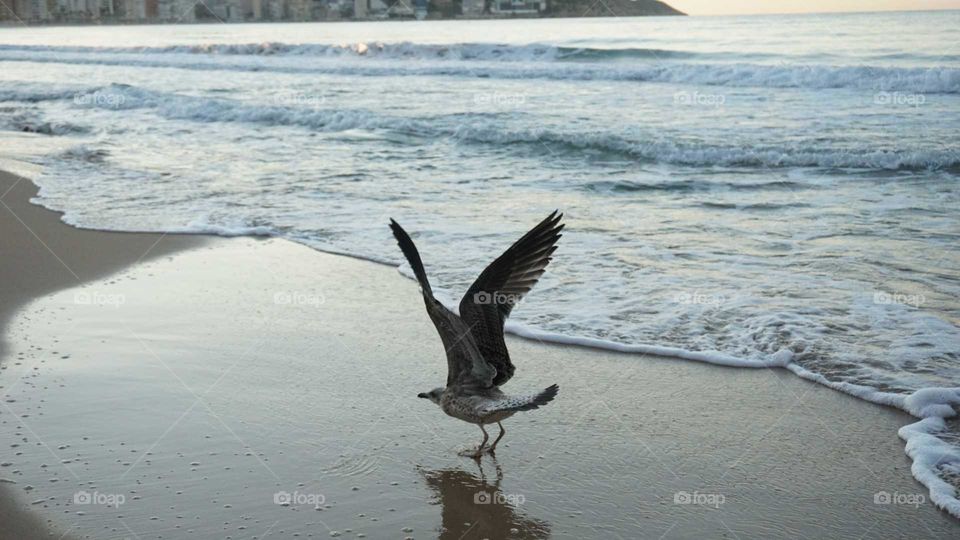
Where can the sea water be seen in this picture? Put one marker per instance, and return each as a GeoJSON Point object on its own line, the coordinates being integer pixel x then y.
{"type": "Point", "coordinates": [752, 191]}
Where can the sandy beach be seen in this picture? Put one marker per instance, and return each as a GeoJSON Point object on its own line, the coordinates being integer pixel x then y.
{"type": "Point", "coordinates": [190, 387]}
{"type": "Point", "coordinates": [42, 255]}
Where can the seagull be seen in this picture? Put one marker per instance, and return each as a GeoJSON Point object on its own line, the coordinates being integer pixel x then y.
{"type": "Point", "coordinates": [477, 359]}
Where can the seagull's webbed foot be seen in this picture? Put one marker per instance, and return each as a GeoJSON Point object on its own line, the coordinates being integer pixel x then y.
{"type": "Point", "coordinates": [480, 449]}
{"type": "Point", "coordinates": [474, 453]}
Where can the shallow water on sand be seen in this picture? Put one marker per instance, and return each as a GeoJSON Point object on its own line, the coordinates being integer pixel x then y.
{"type": "Point", "coordinates": [187, 399]}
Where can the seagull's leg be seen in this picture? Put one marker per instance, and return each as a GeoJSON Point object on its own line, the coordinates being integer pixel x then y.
{"type": "Point", "coordinates": [502, 432]}
{"type": "Point", "coordinates": [483, 477]}
{"type": "Point", "coordinates": [486, 437]}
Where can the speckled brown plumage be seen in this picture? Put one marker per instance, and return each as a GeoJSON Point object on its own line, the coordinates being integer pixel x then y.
{"type": "Point", "coordinates": [477, 358]}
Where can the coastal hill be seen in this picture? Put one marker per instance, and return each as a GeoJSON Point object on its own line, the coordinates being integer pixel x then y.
{"type": "Point", "coordinates": [609, 8]}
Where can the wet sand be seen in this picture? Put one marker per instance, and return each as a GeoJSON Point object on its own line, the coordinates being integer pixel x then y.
{"type": "Point", "coordinates": [39, 255]}
{"type": "Point", "coordinates": [256, 388]}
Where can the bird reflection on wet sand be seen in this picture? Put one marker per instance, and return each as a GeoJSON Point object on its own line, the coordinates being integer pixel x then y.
{"type": "Point", "coordinates": [473, 507]}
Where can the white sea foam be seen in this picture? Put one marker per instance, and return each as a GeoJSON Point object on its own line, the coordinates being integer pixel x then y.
{"type": "Point", "coordinates": [779, 359]}
{"type": "Point", "coordinates": [196, 226]}
{"type": "Point", "coordinates": [206, 226]}
{"type": "Point", "coordinates": [932, 457]}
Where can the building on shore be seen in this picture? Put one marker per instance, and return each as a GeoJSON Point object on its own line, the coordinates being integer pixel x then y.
{"type": "Point", "coordinates": [332, 10]}
{"type": "Point", "coordinates": [518, 7]}
{"type": "Point", "coordinates": [177, 11]}
{"type": "Point", "coordinates": [298, 10]}
{"type": "Point", "coordinates": [136, 10]}
{"type": "Point", "coordinates": [473, 8]}
{"type": "Point", "coordinates": [370, 9]}
{"type": "Point", "coordinates": [27, 11]}
{"type": "Point", "coordinates": [401, 9]}
{"type": "Point", "coordinates": [188, 11]}
{"type": "Point", "coordinates": [220, 10]}
{"type": "Point", "coordinates": [75, 10]}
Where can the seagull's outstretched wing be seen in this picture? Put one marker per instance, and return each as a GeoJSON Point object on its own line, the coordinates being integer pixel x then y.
{"type": "Point", "coordinates": [465, 364]}
{"type": "Point", "coordinates": [492, 296]}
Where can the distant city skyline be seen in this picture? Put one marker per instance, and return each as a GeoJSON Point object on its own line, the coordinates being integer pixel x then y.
{"type": "Point", "coordinates": [745, 7]}
{"type": "Point", "coordinates": [186, 11]}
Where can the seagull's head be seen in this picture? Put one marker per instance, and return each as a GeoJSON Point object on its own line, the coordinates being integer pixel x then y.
{"type": "Point", "coordinates": [433, 395]}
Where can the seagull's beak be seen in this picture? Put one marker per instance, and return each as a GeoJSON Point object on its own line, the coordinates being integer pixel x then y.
{"type": "Point", "coordinates": [422, 395]}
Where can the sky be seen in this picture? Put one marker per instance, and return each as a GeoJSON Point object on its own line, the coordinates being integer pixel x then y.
{"type": "Point", "coordinates": [730, 7]}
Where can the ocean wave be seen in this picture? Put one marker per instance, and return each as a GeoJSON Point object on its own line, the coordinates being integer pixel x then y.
{"type": "Point", "coordinates": [518, 62]}
{"type": "Point", "coordinates": [687, 186]}
{"type": "Point", "coordinates": [35, 93]}
{"type": "Point", "coordinates": [84, 153]}
{"type": "Point", "coordinates": [402, 50]}
{"type": "Point", "coordinates": [486, 131]}
{"type": "Point", "coordinates": [503, 52]}
{"type": "Point", "coordinates": [33, 122]}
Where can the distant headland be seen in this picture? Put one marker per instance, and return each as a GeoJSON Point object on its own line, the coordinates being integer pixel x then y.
{"type": "Point", "coordinates": [190, 11]}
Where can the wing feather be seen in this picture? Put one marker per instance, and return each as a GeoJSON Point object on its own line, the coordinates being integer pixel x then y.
{"type": "Point", "coordinates": [465, 364]}
{"type": "Point", "coordinates": [501, 285]}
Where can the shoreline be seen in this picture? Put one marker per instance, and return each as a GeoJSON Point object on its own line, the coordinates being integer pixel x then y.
{"type": "Point", "coordinates": [48, 257]}
{"type": "Point", "coordinates": [115, 251]}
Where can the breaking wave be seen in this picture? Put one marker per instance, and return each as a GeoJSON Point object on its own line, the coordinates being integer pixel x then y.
{"type": "Point", "coordinates": [481, 130]}
{"type": "Point", "coordinates": [503, 62]}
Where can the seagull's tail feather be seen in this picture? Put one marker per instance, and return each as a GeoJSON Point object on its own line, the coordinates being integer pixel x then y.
{"type": "Point", "coordinates": [412, 255]}
{"type": "Point", "coordinates": [542, 398]}
{"type": "Point", "coordinates": [526, 403]}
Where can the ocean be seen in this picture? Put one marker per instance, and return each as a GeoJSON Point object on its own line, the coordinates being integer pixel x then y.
{"type": "Point", "coordinates": [750, 191]}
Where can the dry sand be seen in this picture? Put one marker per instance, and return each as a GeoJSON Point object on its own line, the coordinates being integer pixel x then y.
{"type": "Point", "coordinates": [185, 395]}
